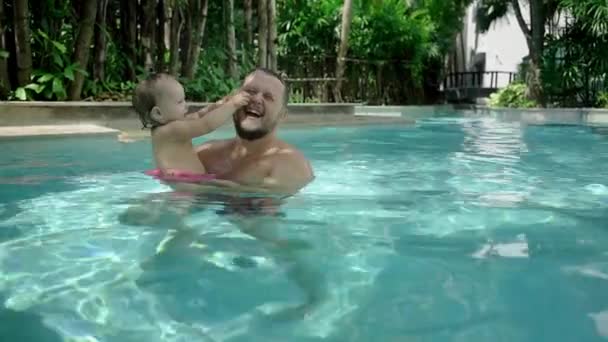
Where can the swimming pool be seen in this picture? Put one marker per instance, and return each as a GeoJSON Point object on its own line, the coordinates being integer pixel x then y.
{"type": "Point", "coordinates": [451, 229]}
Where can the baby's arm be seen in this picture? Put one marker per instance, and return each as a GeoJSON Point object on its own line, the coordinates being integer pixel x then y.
{"type": "Point", "coordinates": [209, 108]}
{"type": "Point", "coordinates": [212, 120]}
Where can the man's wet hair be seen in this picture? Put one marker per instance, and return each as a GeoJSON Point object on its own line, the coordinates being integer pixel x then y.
{"type": "Point", "coordinates": [279, 76]}
{"type": "Point", "coordinates": [145, 97]}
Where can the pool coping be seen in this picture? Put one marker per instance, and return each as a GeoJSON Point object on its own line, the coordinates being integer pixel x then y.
{"type": "Point", "coordinates": [54, 130]}
{"type": "Point", "coordinates": [547, 116]}
{"type": "Point", "coordinates": [84, 117]}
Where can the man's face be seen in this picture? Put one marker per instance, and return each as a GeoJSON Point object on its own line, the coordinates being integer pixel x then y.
{"type": "Point", "coordinates": [265, 109]}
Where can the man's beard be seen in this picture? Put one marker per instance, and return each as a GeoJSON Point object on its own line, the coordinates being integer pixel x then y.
{"type": "Point", "coordinates": [249, 135]}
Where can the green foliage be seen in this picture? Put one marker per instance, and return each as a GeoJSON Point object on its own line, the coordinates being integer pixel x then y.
{"type": "Point", "coordinates": [48, 86]}
{"type": "Point", "coordinates": [393, 47]}
{"type": "Point", "coordinates": [392, 30]}
{"type": "Point", "coordinates": [575, 68]}
{"type": "Point", "coordinates": [49, 83]}
{"type": "Point", "coordinates": [447, 18]}
{"type": "Point", "coordinates": [387, 33]}
{"type": "Point", "coordinates": [512, 96]}
{"type": "Point", "coordinates": [602, 100]}
{"type": "Point", "coordinates": [489, 11]}
{"type": "Point", "coordinates": [592, 14]}
{"type": "Point", "coordinates": [297, 96]}
{"type": "Point", "coordinates": [308, 27]}
{"type": "Point", "coordinates": [403, 39]}
{"type": "Point", "coordinates": [212, 81]}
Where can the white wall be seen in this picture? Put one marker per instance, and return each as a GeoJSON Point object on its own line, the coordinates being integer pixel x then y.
{"type": "Point", "coordinates": [504, 44]}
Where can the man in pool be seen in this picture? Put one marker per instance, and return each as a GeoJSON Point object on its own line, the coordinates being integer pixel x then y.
{"type": "Point", "coordinates": [256, 160]}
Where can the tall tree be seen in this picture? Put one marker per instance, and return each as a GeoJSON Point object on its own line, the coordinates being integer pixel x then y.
{"type": "Point", "coordinates": [86, 25]}
{"type": "Point", "coordinates": [21, 15]}
{"type": "Point", "coordinates": [148, 33]}
{"type": "Point", "coordinates": [174, 36]}
{"type": "Point", "coordinates": [195, 31]}
{"type": "Point", "coordinates": [5, 83]}
{"type": "Point", "coordinates": [248, 22]}
{"type": "Point", "coordinates": [231, 39]}
{"type": "Point", "coordinates": [262, 33]}
{"type": "Point", "coordinates": [272, 35]}
{"type": "Point", "coordinates": [128, 24]}
{"type": "Point", "coordinates": [535, 37]}
{"type": "Point", "coordinates": [347, 18]}
{"type": "Point", "coordinates": [267, 34]}
{"type": "Point", "coordinates": [161, 47]}
{"type": "Point", "coordinates": [100, 41]}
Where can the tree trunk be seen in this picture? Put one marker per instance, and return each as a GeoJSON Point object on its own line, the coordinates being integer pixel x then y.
{"type": "Point", "coordinates": [231, 39]}
{"type": "Point", "coordinates": [186, 38]}
{"type": "Point", "coordinates": [262, 33]}
{"type": "Point", "coordinates": [534, 81]}
{"type": "Point", "coordinates": [128, 23]}
{"type": "Point", "coordinates": [176, 27]}
{"type": "Point", "coordinates": [198, 10]}
{"type": "Point", "coordinates": [112, 21]}
{"type": "Point", "coordinates": [148, 28]}
{"type": "Point", "coordinates": [272, 34]}
{"type": "Point", "coordinates": [161, 47]}
{"type": "Point", "coordinates": [22, 42]}
{"type": "Point", "coordinates": [82, 45]}
{"type": "Point", "coordinates": [5, 82]}
{"type": "Point", "coordinates": [347, 18]}
{"type": "Point", "coordinates": [199, 34]}
{"type": "Point", "coordinates": [195, 30]}
{"type": "Point", "coordinates": [248, 23]}
{"type": "Point", "coordinates": [535, 39]}
{"type": "Point", "coordinates": [100, 41]}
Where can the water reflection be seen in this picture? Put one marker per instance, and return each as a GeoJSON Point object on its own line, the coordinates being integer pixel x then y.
{"type": "Point", "coordinates": [24, 326]}
{"type": "Point", "coordinates": [487, 171]}
{"type": "Point", "coordinates": [257, 217]}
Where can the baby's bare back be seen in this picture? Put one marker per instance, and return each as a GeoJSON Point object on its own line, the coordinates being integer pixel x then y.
{"type": "Point", "coordinates": [175, 154]}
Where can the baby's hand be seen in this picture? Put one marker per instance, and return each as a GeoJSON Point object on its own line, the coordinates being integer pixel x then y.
{"type": "Point", "coordinates": [241, 99]}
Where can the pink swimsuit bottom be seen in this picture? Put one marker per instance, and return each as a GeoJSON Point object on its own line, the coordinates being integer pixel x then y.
{"type": "Point", "coordinates": [180, 176]}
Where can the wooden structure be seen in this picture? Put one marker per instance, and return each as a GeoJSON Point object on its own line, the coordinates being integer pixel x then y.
{"type": "Point", "coordinates": [467, 87]}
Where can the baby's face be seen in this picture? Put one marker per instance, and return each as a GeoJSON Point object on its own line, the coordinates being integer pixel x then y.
{"type": "Point", "coordinates": [171, 101]}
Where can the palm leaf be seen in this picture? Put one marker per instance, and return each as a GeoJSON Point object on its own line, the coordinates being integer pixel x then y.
{"type": "Point", "coordinates": [488, 11]}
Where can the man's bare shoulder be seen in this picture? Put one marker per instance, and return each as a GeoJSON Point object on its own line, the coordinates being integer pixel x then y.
{"type": "Point", "coordinates": [290, 159]}
{"type": "Point", "coordinates": [291, 153]}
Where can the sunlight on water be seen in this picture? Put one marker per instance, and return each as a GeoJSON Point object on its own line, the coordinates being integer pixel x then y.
{"type": "Point", "coordinates": [431, 231]}
{"type": "Point", "coordinates": [95, 261]}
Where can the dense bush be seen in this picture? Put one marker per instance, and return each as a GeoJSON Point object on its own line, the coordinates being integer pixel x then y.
{"type": "Point", "coordinates": [513, 96]}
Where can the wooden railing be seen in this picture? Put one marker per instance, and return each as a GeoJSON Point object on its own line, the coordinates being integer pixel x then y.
{"type": "Point", "coordinates": [478, 79]}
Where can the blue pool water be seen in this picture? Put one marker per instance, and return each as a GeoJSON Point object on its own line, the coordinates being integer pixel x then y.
{"type": "Point", "coordinates": [463, 229]}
